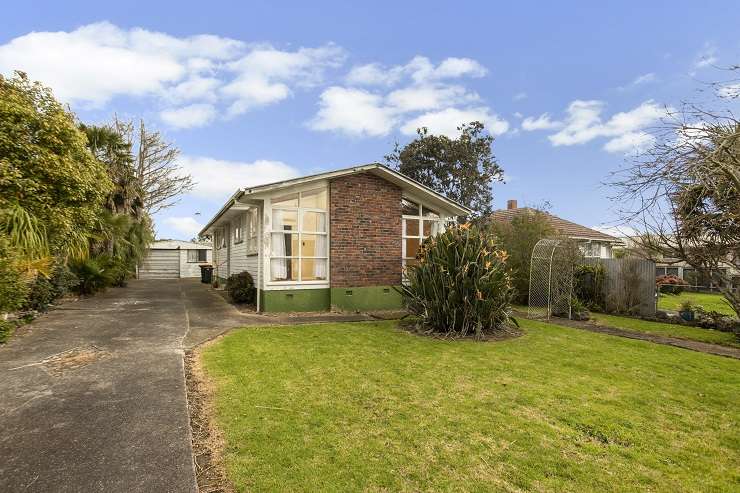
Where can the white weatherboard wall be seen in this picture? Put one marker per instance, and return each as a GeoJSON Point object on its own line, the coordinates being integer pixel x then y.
{"type": "Point", "coordinates": [192, 269]}
{"type": "Point", "coordinates": [168, 259]}
{"type": "Point", "coordinates": [239, 259]}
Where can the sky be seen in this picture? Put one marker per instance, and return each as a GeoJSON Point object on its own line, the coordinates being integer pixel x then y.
{"type": "Point", "coordinates": [255, 92]}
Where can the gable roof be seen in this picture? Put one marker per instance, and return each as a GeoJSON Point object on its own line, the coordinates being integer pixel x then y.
{"type": "Point", "coordinates": [401, 180]}
{"type": "Point", "coordinates": [562, 226]}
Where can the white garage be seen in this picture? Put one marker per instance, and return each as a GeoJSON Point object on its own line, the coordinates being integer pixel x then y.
{"type": "Point", "coordinates": [172, 259]}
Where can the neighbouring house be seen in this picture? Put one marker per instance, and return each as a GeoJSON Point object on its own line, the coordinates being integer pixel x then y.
{"type": "Point", "coordinates": [171, 259]}
{"type": "Point", "coordinates": [678, 268]}
{"type": "Point", "coordinates": [333, 240]}
{"type": "Point", "coordinates": [593, 243]}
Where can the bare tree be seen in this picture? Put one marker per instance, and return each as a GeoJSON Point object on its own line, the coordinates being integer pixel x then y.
{"type": "Point", "coordinates": [683, 194]}
{"type": "Point", "coordinates": [155, 162]}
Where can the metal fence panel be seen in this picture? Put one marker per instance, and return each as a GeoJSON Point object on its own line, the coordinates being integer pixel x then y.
{"type": "Point", "coordinates": [629, 284]}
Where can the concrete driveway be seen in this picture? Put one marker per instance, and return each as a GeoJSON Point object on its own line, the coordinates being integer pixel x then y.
{"type": "Point", "coordinates": [92, 395]}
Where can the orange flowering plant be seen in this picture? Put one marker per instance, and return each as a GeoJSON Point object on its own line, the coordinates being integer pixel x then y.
{"type": "Point", "coordinates": [460, 285]}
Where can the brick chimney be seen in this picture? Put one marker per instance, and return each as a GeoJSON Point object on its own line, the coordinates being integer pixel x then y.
{"type": "Point", "coordinates": [511, 204]}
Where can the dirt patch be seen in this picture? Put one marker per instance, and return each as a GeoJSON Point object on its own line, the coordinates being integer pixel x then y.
{"type": "Point", "coordinates": [73, 359]}
{"type": "Point", "coordinates": [208, 443]}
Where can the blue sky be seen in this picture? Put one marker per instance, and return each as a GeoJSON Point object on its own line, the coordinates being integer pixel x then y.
{"type": "Point", "coordinates": [253, 92]}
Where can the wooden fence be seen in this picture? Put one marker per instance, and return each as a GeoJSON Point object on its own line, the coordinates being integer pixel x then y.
{"type": "Point", "coordinates": [629, 285]}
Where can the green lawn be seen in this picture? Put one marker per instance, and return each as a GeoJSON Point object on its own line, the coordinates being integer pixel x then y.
{"type": "Point", "coordinates": [669, 330]}
{"type": "Point", "coordinates": [368, 407]}
{"type": "Point", "coordinates": [708, 301]}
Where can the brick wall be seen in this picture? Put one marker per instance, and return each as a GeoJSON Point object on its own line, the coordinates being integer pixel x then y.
{"type": "Point", "coordinates": [365, 244]}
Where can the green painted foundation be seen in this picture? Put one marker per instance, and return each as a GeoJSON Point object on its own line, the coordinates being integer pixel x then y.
{"type": "Point", "coordinates": [342, 299]}
{"type": "Point", "coordinates": [295, 300]}
{"type": "Point", "coordinates": [365, 298]}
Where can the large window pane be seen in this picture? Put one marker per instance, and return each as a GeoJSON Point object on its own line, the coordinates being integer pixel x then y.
{"type": "Point", "coordinates": [313, 245]}
{"type": "Point", "coordinates": [284, 220]}
{"type": "Point", "coordinates": [286, 201]}
{"type": "Point", "coordinates": [409, 208]}
{"type": "Point", "coordinates": [314, 199]}
{"type": "Point", "coordinates": [284, 245]}
{"type": "Point", "coordinates": [314, 222]}
{"type": "Point", "coordinates": [284, 269]}
{"type": "Point", "coordinates": [411, 227]}
{"type": "Point", "coordinates": [313, 269]}
{"type": "Point", "coordinates": [412, 247]}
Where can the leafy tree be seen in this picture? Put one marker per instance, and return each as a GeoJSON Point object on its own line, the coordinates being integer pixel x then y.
{"type": "Point", "coordinates": [45, 167]}
{"type": "Point", "coordinates": [462, 169]}
{"type": "Point", "coordinates": [684, 193]}
{"type": "Point", "coordinates": [518, 238]}
{"type": "Point", "coordinates": [124, 227]}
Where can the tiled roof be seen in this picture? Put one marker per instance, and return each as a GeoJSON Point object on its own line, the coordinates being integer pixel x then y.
{"type": "Point", "coordinates": [562, 226]}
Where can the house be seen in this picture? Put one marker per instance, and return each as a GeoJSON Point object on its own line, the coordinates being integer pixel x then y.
{"type": "Point", "coordinates": [729, 274]}
{"type": "Point", "coordinates": [333, 240]}
{"type": "Point", "coordinates": [169, 259]}
{"type": "Point", "coordinates": [594, 243]}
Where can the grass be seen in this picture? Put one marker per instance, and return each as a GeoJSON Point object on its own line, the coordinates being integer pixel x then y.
{"type": "Point", "coordinates": [668, 330]}
{"type": "Point", "coordinates": [709, 301]}
{"type": "Point", "coordinates": [368, 407]}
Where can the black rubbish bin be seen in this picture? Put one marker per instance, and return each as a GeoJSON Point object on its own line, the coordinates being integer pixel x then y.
{"type": "Point", "coordinates": [206, 274]}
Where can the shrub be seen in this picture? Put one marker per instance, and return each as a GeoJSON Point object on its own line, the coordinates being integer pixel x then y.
{"type": "Point", "coordinates": [13, 284]}
{"type": "Point", "coordinates": [93, 277]}
{"type": "Point", "coordinates": [240, 288]}
{"type": "Point", "coordinates": [670, 284]}
{"type": "Point", "coordinates": [589, 286]}
{"type": "Point", "coordinates": [6, 329]}
{"type": "Point", "coordinates": [461, 284]}
{"type": "Point", "coordinates": [519, 237]}
{"type": "Point", "coordinates": [45, 290]}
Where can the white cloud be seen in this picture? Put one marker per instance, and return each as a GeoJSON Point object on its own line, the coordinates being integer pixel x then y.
{"type": "Point", "coordinates": [458, 67]}
{"type": "Point", "coordinates": [353, 111]}
{"type": "Point", "coordinates": [95, 63]}
{"type": "Point", "coordinates": [186, 226]}
{"type": "Point", "coordinates": [263, 74]}
{"type": "Point", "coordinates": [729, 91]}
{"type": "Point", "coordinates": [195, 88]}
{"type": "Point", "coordinates": [374, 74]}
{"type": "Point", "coordinates": [542, 122]}
{"type": "Point", "coordinates": [426, 97]}
{"type": "Point", "coordinates": [707, 57]}
{"type": "Point", "coordinates": [422, 98]}
{"type": "Point", "coordinates": [520, 96]}
{"type": "Point", "coordinates": [217, 179]}
{"type": "Point", "coordinates": [631, 142]}
{"type": "Point", "coordinates": [195, 115]}
{"type": "Point", "coordinates": [583, 123]}
{"type": "Point", "coordinates": [644, 79]}
{"type": "Point", "coordinates": [420, 69]}
{"type": "Point", "coordinates": [445, 122]}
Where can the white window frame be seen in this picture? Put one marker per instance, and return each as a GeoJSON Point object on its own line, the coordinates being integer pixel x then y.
{"type": "Point", "coordinates": [197, 254]}
{"type": "Point", "coordinates": [238, 229]}
{"type": "Point", "coordinates": [252, 222]}
{"type": "Point", "coordinates": [300, 232]}
{"type": "Point", "coordinates": [406, 218]}
{"type": "Point", "coordinates": [219, 239]}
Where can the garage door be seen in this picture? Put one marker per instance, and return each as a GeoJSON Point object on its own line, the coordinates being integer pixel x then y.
{"type": "Point", "coordinates": [160, 264]}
